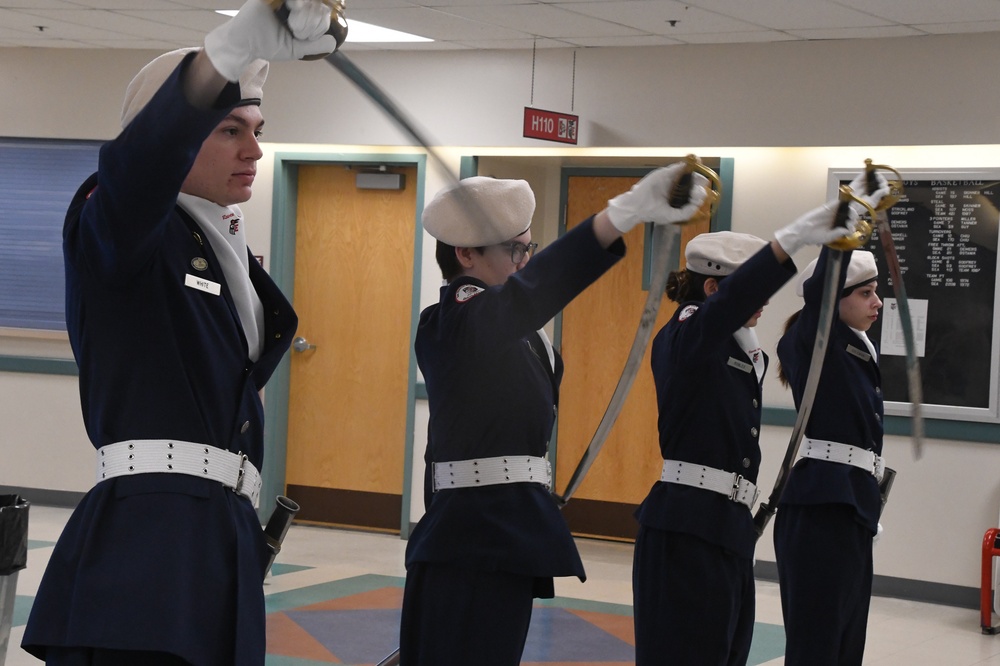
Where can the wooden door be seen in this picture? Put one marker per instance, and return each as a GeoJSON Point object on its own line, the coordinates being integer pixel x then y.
{"type": "Point", "coordinates": [347, 412]}
{"type": "Point", "coordinates": [597, 332]}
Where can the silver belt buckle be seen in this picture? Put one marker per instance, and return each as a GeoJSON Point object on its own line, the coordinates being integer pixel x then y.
{"type": "Point", "coordinates": [737, 480]}
{"type": "Point", "coordinates": [241, 473]}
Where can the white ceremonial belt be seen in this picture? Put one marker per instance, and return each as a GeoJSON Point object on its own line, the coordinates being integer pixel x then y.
{"type": "Point", "coordinates": [730, 484]}
{"type": "Point", "coordinates": [171, 456]}
{"type": "Point", "coordinates": [491, 472]}
{"type": "Point", "coordinates": [820, 449]}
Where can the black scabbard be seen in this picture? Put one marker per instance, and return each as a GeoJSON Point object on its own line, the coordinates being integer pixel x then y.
{"type": "Point", "coordinates": [888, 476]}
{"type": "Point", "coordinates": [277, 527]}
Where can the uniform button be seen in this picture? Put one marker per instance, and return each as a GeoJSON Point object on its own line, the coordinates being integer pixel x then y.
{"type": "Point", "coordinates": [746, 463]}
{"type": "Point", "coordinates": [244, 427]}
{"type": "Point", "coordinates": [878, 390]}
{"type": "Point", "coordinates": [753, 431]}
{"type": "Point", "coordinates": [878, 418]}
{"type": "Point", "coordinates": [277, 336]}
{"type": "Point", "coordinates": [755, 402]}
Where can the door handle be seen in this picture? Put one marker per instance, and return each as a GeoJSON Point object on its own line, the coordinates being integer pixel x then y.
{"type": "Point", "coordinates": [300, 344]}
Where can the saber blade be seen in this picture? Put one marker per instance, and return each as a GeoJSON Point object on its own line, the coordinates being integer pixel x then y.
{"type": "Point", "coordinates": [831, 290]}
{"type": "Point", "coordinates": [895, 194]}
{"type": "Point", "coordinates": [355, 75]}
{"type": "Point", "coordinates": [912, 363]}
{"type": "Point", "coordinates": [663, 241]}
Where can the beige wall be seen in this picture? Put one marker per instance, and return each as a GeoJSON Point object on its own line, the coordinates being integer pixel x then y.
{"type": "Point", "coordinates": [786, 113]}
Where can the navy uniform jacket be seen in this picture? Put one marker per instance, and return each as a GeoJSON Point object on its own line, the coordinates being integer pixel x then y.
{"type": "Point", "coordinates": [848, 407]}
{"type": "Point", "coordinates": [709, 402]}
{"type": "Point", "coordinates": [163, 562]}
{"type": "Point", "coordinates": [490, 395]}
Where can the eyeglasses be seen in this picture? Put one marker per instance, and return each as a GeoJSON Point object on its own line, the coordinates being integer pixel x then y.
{"type": "Point", "coordinates": [518, 251]}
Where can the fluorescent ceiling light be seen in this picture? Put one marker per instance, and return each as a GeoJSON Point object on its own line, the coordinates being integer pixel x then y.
{"type": "Point", "coordinates": [360, 32]}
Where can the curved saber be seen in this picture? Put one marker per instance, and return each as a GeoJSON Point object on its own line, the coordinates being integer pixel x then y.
{"type": "Point", "coordinates": [831, 278]}
{"type": "Point", "coordinates": [831, 291]}
{"type": "Point", "coordinates": [345, 66]}
{"type": "Point", "coordinates": [663, 243]}
{"type": "Point", "coordinates": [899, 291]}
{"type": "Point", "coordinates": [662, 248]}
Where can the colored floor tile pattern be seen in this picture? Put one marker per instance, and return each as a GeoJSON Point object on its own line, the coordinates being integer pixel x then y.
{"type": "Point", "coordinates": [356, 622]}
{"type": "Point", "coordinates": [353, 619]}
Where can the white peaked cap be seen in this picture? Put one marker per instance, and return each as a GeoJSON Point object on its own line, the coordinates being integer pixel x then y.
{"type": "Point", "coordinates": [721, 252]}
{"type": "Point", "coordinates": [480, 211]}
{"type": "Point", "coordinates": [156, 72]}
{"type": "Point", "coordinates": [861, 269]}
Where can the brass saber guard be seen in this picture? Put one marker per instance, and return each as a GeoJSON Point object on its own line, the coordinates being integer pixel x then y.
{"type": "Point", "coordinates": [679, 192]}
{"type": "Point", "coordinates": [338, 24]}
{"type": "Point", "coordinates": [862, 228]}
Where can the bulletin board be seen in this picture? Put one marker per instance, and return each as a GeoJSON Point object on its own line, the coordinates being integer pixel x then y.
{"type": "Point", "coordinates": [945, 230]}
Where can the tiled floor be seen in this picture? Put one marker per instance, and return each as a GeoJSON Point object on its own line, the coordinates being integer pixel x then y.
{"type": "Point", "coordinates": [334, 598]}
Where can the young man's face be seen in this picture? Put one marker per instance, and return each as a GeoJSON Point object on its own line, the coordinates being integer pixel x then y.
{"type": "Point", "coordinates": [226, 165]}
{"type": "Point", "coordinates": [859, 309]}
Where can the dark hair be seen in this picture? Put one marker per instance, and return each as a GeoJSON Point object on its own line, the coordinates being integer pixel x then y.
{"type": "Point", "coordinates": [448, 262]}
{"type": "Point", "coordinates": [847, 291]}
{"type": "Point", "coordinates": [686, 285]}
{"type": "Point", "coordinates": [782, 377]}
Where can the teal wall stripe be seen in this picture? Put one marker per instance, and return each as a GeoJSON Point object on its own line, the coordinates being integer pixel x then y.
{"type": "Point", "coordinates": [962, 431]}
{"type": "Point", "coordinates": [38, 365]}
{"type": "Point", "coordinates": [723, 220]}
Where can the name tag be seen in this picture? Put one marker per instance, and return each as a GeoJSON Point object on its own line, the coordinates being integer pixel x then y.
{"type": "Point", "coordinates": [201, 284]}
{"type": "Point", "coordinates": [863, 355]}
{"type": "Point", "coordinates": [740, 365]}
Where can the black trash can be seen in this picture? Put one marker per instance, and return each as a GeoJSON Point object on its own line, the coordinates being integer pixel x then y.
{"type": "Point", "coordinates": [13, 558]}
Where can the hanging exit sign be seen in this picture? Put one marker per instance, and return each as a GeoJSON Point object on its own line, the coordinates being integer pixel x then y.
{"type": "Point", "coordinates": [550, 125]}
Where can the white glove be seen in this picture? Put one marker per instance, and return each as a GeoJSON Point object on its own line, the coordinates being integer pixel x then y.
{"type": "Point", "coordinates": [815, 228]}
{"type": "Point", "coordinates": [308, 19]}
{"type": "Point", "coordinates": [860, 188]}
{"type": "Point", "coordinates": [648, 200]}
{"type": "Point", "coordinates": [878, 534]}
{"type": "Point", "coordinates": [255, 32]}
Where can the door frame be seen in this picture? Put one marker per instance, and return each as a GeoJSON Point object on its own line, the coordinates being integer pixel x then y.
{"type": "Point", "coordinates": [284, 210]}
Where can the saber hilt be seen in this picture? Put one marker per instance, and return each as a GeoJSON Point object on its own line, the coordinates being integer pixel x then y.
{"type": "Point", "coordinates": [338, 24]}
{"type": "Point", "coordinates": [277, 527]}
{"type": "Point", "coordinates": [680, 194]}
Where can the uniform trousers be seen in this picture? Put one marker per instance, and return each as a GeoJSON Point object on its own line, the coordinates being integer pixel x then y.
{"type": "Point", "coordinates": [693, 601]}
{"type": "Point", "coordinates": [824, 559]}
{"type": "Point", "coordinates": [456, 616]}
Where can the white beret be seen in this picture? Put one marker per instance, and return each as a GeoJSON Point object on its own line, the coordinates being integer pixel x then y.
{"type": "Point", "coordinates": [480, 211]}
{"type": "Point", "coordinates": [721, 252]}
{"type": "Point", "coordinates": [861, 269]}
{"type": "Point", "coordinates": [153, 75]}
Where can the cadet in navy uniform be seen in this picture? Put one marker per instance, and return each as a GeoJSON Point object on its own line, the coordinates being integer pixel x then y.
{"type": "Point", "coordinates": [493, 538]}
{"type": "Point", "coordinates": [693, 585]}
{"type": "Point", "coordinates": [175, 328]}
{"type": "Point", "coordinates": [828, 514]}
